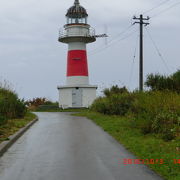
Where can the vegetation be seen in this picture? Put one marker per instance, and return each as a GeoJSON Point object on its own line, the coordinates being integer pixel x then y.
{"type": "Point", "coordinates": [45, 105]}
{"type": "Point", "coordinates": [114, 90]}
{"type": "Point", "coordinates": [159, 82]}
{"type": "Point", "coordinates": [42, 104]}
{"type": "Point", "coordinates": [13, 125]}
{"type": "Point", "coordinates": [155, 112]}
{"type": "Point", "coordinates": [10, 105]}
{"type": "Point", "coordinates": [13, 112]}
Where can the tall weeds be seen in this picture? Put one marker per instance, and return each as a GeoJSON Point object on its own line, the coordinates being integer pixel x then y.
{"type": "Point", "coordinates": [10, 105]}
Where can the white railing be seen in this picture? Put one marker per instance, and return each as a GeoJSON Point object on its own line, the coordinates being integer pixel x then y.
{"type": "Point", "coordinates": [65, 33]}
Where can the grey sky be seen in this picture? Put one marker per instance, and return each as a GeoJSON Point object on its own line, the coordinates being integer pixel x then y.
{"type": "Point", "coordinates": [35, 62]}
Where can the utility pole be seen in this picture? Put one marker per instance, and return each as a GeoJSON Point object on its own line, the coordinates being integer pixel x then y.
{"type": "Point", "coordinates": [141, 23]}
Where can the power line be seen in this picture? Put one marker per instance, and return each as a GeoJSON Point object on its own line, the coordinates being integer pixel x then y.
{"type": "Point", "coordinates": [112, 43]}
{"type": "Point", "coordinates": [121, 33]}
{"type": "Point", "coordinates": [155, 15]}
{"type": "Point", "coordinates": [157, 49]}
{"type": "Point", "coordinates": [115, 38]}
{"type": "Point", "coordinates": [155, 7]}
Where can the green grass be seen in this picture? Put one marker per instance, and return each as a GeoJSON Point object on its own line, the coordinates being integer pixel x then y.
{"type": "Point", "coordinates": [13, 125]}
{"type": "Point", "coordinates": [142, 146]}
{"type": "Point", "coordinates": [59, 110]}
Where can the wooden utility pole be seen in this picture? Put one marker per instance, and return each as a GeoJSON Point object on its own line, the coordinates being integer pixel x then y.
{"type": "Point", "coordinates": [141, 23]}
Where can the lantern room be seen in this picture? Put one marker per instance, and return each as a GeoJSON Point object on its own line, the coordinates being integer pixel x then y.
{"type": "Point", "coordinates": [76, 14]}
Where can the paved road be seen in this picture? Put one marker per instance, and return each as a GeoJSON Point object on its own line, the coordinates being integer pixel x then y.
{"type": "Point", "coordinates": [63, 147]}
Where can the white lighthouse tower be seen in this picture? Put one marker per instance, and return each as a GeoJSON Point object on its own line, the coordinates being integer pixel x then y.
{"type": "Point", "coordinates": [77, 93]}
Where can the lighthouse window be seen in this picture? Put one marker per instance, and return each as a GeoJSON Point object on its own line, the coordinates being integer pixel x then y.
{"type": "Point", "coordinates": [76, 20]}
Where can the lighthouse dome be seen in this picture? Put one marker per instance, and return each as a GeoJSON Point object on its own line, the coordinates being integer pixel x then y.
{"type": "Point", "coordinates": [76, 11]}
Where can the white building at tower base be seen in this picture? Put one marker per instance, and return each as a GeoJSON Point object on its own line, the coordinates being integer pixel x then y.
{"type": "Point", "coordinates": [81, 96]}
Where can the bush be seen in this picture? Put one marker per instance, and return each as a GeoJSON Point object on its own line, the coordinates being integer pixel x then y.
{"type": "Point", "coordinates": [121, 104]}
{"type": "Point", "coordinates": [166, 123]}
{"type": "Point", "coordinates": [157, 112]}
{"type": "Point", "coordinates": [101, 105]}
{"type": "Point", "coordinates": [37, 103]}
{"type": "Point", "coordinates": [117, 101]}
{"type": "Point", "coordinates": [2, 120]}
{"type": "Point", "coordinates": [10, 105]}
{"type": "Point", "coordinates": [114, 90]}
{"type": "Point", "coordinates": [116, 104]}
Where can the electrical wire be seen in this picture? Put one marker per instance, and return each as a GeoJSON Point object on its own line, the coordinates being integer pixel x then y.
{"type": "Point", "coordinates": [115, 38]}
{"type": "Point", "coordinates": [157, 49]}
{"type": "Point", "coordinates": [129, 35]}
{"type": "Point", "coordinates": [174, 5]}
{"type": "Point", "coordinates": [121, 33]}
{"type": "Point", "coordinates": [155, 7]}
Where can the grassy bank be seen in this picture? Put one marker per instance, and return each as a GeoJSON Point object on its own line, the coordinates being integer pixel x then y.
{"type": "Point", "coordinates": [148, 146]}
{"type": "Point", "coordinates": [52, 109]}
{"type": "Point", "coordinates": [13, 112]}
{"type": "Point", "coordinates": [13, 125]}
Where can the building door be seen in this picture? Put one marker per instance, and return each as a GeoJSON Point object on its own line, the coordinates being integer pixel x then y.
{"type": "Point", "coordinates": [77, 97]}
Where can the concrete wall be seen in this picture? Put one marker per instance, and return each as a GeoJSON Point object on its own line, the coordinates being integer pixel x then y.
{"type": "Point", "coordinates": [89, 95]}
{"type": "Point", "coordinates": [65, 97]}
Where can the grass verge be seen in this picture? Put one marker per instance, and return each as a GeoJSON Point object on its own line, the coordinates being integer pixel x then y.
{"type": "Point", "coordinates": [59, 110]}
{"type": "Point", "coordinates": [142, 146]}
{"type": "Point", "coordinates": [13, 125]}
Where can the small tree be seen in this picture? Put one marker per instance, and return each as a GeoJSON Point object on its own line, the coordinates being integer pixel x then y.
{"type": "Point", "coordinates": [159, 82]}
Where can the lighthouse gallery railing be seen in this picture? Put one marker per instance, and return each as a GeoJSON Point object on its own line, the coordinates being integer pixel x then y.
{"type": "Point", "coordinates": [64, 33]}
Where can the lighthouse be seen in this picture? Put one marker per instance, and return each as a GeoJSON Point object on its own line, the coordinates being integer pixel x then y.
{"type": "Point", "coordinates": [77, 92]}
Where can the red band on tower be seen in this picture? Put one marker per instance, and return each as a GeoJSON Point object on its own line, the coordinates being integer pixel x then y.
{"type": "Point", "coordinates": [77, 63]}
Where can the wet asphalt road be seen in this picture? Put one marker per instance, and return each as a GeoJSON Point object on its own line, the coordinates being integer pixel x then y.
{"type": "Point", "coordinates": [63, 147]}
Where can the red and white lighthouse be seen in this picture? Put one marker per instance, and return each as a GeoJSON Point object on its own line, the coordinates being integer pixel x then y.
{"type": "Point", "coordinates": [77, 33]}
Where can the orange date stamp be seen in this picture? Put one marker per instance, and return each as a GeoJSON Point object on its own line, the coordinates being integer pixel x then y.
{"type": "Point", "coordinates": [147, 161]}
{"type": "Point", "coordinates": [176, 161]}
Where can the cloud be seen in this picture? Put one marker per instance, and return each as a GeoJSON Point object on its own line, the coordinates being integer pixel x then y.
{"type": "Point", "coordinates": [32, 57]}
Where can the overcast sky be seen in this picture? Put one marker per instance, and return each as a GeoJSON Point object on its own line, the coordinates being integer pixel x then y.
{"type": "Point", "coordinates": [32, 59]}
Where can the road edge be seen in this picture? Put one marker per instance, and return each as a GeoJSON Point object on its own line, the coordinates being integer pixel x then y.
{"type": "Point", "coordinates": [5, 145]}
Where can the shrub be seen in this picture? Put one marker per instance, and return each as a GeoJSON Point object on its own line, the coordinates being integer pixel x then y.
{"type": "Point", "coordinates": [10, 105]}
{"type": "Point", "coordinates": [157, 112]}
{"type": "Point", "coordinates": [2, 119]}
{"type": "Point", "coordinates": [36, 103]}
{"type": "Point", "coordinates": [166, 123]}
{"type": "Point", "coordinates": [114, 90]}
{"type": "Point", "coordinates": [116, 104]}
{"type": "Point", "coordinates": [120, 104]}
{"type": "Point", "coordinates": [101, 105]}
